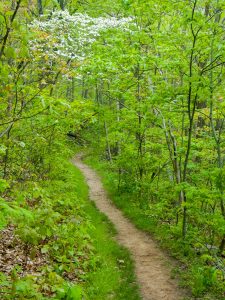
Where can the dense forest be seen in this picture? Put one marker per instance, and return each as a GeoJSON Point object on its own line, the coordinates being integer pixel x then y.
{"type": "Point", "coordinates": [139, 87]}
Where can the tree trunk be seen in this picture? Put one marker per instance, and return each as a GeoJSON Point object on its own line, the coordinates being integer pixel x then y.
{"type": "Point", "coordinates": [61, 4]}
{"type": "Point", "coordinates": [40, 7]}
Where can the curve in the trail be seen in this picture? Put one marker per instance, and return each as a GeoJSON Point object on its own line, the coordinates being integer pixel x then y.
{"type": "Point", "coordinates": [151, 265]}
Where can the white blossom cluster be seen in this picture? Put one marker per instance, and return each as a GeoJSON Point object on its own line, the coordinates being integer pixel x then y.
{"type": "Point", "coordinates": [70, 36]}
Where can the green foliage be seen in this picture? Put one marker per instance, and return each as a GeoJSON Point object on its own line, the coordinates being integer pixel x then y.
{"type": "Point", "coordinates": [149, 99]}
{"type": "Point", "coordinates": [55, 219]}
{"type": "Point", "coordinates": [3, 185]}
{"type": "Point", "coordinates": [199, 266]}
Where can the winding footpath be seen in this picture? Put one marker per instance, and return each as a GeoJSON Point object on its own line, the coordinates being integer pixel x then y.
{"type": "Point", "coordinates": [151, 265]}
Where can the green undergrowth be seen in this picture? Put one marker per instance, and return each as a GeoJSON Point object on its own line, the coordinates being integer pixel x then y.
{"type": "Point", "coordinates": [53, 222]}
{"type": "Point", "coordinates": [195, 272]}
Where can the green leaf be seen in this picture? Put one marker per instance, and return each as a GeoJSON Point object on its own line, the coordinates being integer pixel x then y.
{"type": "Point", "coordinates": [3, 185]}
{"type": "Point", "coordinates": [10, 52]}
{"type": "Point", "coordinates": [45, 249]}
{"type": "Point", "coordinates": [74, 293]}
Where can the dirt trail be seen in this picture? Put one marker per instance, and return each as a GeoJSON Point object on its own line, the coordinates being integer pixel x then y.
{"type": "Point", "coordinates": [151, 265]}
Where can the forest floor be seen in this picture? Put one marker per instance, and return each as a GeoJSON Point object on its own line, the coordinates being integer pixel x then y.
{"type": "Point", "coordinates": [152, 266]}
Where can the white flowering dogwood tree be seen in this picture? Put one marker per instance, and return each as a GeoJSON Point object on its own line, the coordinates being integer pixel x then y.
{"type": "Point", "coordinates": [70, 36]}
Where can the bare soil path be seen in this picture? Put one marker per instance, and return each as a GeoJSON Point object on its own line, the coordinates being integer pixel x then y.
{"type": "Point", "coordinates": [151, 265]}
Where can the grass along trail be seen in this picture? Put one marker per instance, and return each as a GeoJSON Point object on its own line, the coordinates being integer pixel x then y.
{"type": "Point", "coordinates": [151, 265]}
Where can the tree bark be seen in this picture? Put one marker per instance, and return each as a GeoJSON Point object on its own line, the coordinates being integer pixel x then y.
{"type": "Point", "coordinates": [40, 7]}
